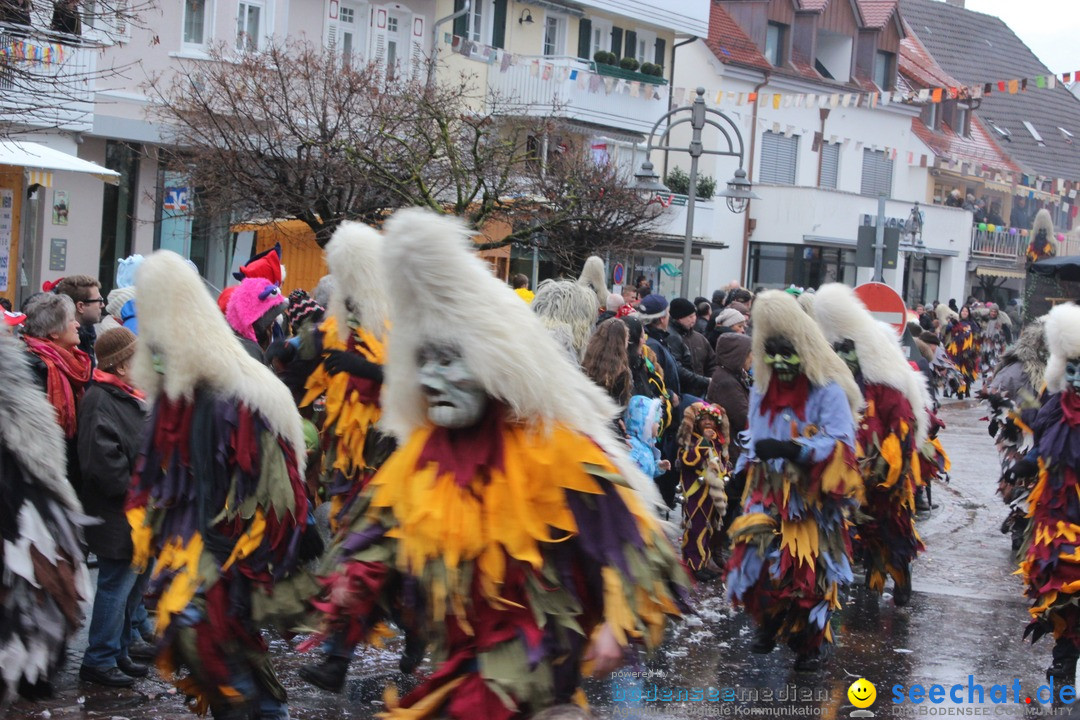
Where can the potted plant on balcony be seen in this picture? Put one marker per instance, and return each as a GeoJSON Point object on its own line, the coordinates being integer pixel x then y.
{"type": "Point", "coordinates": [679, 183]}
{"type": "Point", "coordinates": [608, 63]}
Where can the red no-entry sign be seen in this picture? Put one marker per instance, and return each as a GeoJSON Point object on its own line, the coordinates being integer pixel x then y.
{"type": "Point", "coordinates": [884, 303]}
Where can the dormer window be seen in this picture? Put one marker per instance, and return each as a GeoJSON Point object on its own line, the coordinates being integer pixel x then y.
{"type": "Point", "coordinates": [963, 120]}
{"type": "Point", "coordinates": [1034, 133]}
{"type": "Point", "coordinates": [931, 116]}
{"type": "Point", "coordinates": [833, 59]}
{"type": "Point", "coordinates": [775, 44]}
{"type": "Point", "coordinates": [885, 70]}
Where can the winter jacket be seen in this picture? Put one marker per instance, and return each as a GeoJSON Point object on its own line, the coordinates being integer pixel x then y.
{"type": "Point", "coordinates": [730, 385]}
{"type": "Point", "coordinates": [641, 414]}
{"type": "Point", "coordinates": [692, 383]}
{"type": "Point", "coordinates": [656, 340]}
{"type": "Point", "coordinates": [702, 359]}
{"type": "Point", "coordinates": [111, 425]}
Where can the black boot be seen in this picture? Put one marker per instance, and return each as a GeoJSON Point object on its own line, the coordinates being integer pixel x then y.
{"type": "Point", "coordinates": [765, 640]}
{"type": "Point", "coordinates": [808, 662]}
{"type": "Point", "coordinates": [901, 593]}
{"type": "Point", "coordinates": [1063, 669]}
{"type": "Point", "coordinates": [328, 675]}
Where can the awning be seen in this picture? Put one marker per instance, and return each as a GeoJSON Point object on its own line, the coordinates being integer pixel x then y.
{"type": "Point", "coordinates": [997, 186]}
{"type": "Point", "coordinates": [984, 271]}
{"type": "Point", "coordinates": [40, 157]}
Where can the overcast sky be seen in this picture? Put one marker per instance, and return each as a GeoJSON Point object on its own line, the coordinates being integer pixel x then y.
{"type": "Point", "coordinates": [1049, 27]}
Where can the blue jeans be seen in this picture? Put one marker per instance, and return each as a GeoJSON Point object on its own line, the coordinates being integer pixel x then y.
{"type": "Point", "coordinates": [119, 591]}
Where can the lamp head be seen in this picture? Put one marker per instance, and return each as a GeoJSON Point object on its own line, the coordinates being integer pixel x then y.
{"type": "Point", "coordinates": [526, 17]}
{"type": "Point", "coordinates": [738, 192]}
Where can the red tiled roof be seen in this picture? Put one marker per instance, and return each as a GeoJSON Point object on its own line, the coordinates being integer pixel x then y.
{"type": "Point", "coordinates": [730, 43]}
{"type": "Point", "coordinates": [876, 13]}
{"type": "Point", "coordinates": [919, 66]}
{"type": "Point", "coordinates": [813, 4]}
{"type": "Point", "coordinates": [980, 148]}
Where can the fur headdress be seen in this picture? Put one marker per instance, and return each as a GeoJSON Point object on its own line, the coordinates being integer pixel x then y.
{"type": "Point", "coordinates": [439, 284]}
{"type": "Point", "coordinates": [806, 302]}
{"type": "Point", "coordinates": [253, 299]}
{"type": "Point", "coordinates": [179, 321]}
{"type": "Point", "coordinates": [566, 308]}
{"type": "Point", "coordinates": [1030, 351]}
{"type": "Point", "coordinates": [776, 313]}
{"type": "Point", "coordinates": [842, 316]}
{"type": "Point", "coordinates": [592, 277]}
{"type": "Point", "coordinates": [1063, 339]}
{"type": "Point", "coordinates": [1042, 243]}
{"type": "Point", "coordinates": [945, 314]}
{"type": "Point", "coordinates": [28, 427]}
{"type": "Point", "coordinates": [354, 256]}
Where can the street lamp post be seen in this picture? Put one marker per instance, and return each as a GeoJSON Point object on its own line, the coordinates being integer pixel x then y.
{"type": "Point", "coordinates": [738, 192]}
{"type": "Point", "coordinates": [913, 245]}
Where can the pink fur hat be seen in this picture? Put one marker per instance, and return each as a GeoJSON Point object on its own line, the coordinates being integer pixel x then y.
{"type": "Point", "coordinates": [253, 299]}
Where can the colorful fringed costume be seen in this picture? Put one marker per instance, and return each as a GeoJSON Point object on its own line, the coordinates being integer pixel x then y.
{"type": "Point", "coordinates": [961, 343]}
{"type": "Point", "coordinates": [510, 529]}
{"type": "Point", "coordinates": [703, 468]}
{"type": "Point", "coordinates": [217, 500]}
{"type": "Point", "coordinates": [791, 548]}
{"type": "Point", "coordinates": [43, 576]}
{"type": "Point", "coordinates": [507, 549]}
{"type": "Point", "coordinates": [933, 461]}
{"type": "Point", "coordinates": [886, 535]}
{"type": "Point", "coordinates": [353, 447]}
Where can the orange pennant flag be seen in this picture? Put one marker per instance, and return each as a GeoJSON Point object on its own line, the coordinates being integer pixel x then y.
{"type": "Point", "coordinates": [936, 95]}
{"type": "Point", "coordinates": [1014, 86]}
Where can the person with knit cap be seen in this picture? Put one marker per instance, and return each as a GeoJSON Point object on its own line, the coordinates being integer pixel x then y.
{"type": "Point", "coordinates": [112, 421]}
{"type": "Point", "coordinates": [45, 581]}
{"type": "Point", "coordinates": [894, 424]}
{"type": "Point", "coordinates": [1051, 563]}
{"type": "Point", "coordinates": [510, 528]}
{"type": "Point", "coordinates": [217, 499]}
{"type": "Point", "coordinates": [697, 351]}
{"type": "Point", "coordinates": [349, 350]}
{"type": "Point", "coordinates": [791, 547]}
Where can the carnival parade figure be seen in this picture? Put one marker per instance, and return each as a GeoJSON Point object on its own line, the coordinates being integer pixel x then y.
{"type": "Point", "coordinates": [1015, 394]}
{"type": "Point", "coordinates": [703, 469]}
{"type": "Point", "coordinates": [961, 336]}
{"type": "Point", "coordinates": [888, 436]}
{"type": "Point", "coordinates": [996, 337]}
{"type": "Point", "coordinates": [791, 548]}
{"type": "Point", "coordinates": [43, 576]}
{"type": "Point", "coordinates": [510, 528]}
{"type": "Point", "coordinates": [217, 499]}
{"type": "Point", "coordinates": [1051, 564]}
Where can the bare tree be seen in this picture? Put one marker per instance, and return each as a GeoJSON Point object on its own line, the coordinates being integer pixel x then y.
{"type": "Point", "coordinates": [48, 58]}
{"type": "Point", "coordinates": [296, 131]}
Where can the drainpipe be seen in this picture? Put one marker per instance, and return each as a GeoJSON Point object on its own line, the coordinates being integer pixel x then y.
{"type": "Point", "coordinates": [671, 91]}
{"type": "Point", "coordinates": [465, 8]}
{"type": "Point", "coordinates": [750, 176]}
{"type": "Point", "coordinates": [821, 147]}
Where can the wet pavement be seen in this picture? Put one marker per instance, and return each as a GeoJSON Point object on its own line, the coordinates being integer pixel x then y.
{"type": "Point", "coordinates": [966, 617]}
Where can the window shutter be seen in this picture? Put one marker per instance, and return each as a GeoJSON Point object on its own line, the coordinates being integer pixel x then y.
{"type": "Point", "coordinates": [830, 165]}
{"type": "Point", "coordinates": [661, 52]}
{"type": "Point", "coordinates": [377, 51]}
{"type": "Point", "coordinates": [778, 158]}
{"type": "Point", "coordinates": [877, 171]}
{"type": "Point", "coordinates": [416, 45]}
{"type": "Point", "coordinates": [331, 32]}
{"type": "Point", "coordinates": [616, 41]}
{"type": "Point", "coordinates": [584, 38]}
{"type": "Point", "coordinates": [498, 19]}
{"type": "Point", "coordinates": [461, 24]}
{"type": "Point", "coordinates": [631, 44]}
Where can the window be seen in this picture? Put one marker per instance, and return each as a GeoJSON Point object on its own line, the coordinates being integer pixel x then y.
{"type": "Point", "coordinates": [1034, 133]}
{"type": "Point", "coordinates": [248, 25]}
{"type": "Point", "coordinates": [963, 120]}
{"type": "Point", "coordinates": [877, 171]}
{"type": "Point", "coordinates": [830, 165]}
{"type": "Point", "coordinates": [777, 265]}
{"type": "Point", "coordinates": [776, 43]}
{"type": "Point", "coordinates": [475, 24]}
{"type": "Point", "coordinates": [778, 158]}
{"type": "Point", "coordinates": [833, 59]}
{"type": "Point", "coordinates": [931, 116]}
{"type": "Point", "coordinates": [599, 37]}
{"type": "Point", "coordinates": [554, 35]}
{"type": "Point", "coordinates": [923, 280]}
{"type": "Point", "coordinates": [350, 31]}
{"type": "Point", "coordinates": [395, 47]}
{"type": "Point", "coordinates": [644, 47]}
{"type": "Point", "coordinates": [196, 13]}
{"type": "Point", "coordinates": [884, 70]}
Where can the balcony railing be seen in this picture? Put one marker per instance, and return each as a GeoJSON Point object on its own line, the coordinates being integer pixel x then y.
{"type": "Point", "coordinates": [998, 245]}
{"type": "Point", "coordinates": [46, 78]}
{"type": "Point", "coordinates": [569, 87]}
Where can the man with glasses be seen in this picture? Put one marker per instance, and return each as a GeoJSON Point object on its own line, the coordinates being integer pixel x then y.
{"type": "Point", "coordinates": [85, 292]}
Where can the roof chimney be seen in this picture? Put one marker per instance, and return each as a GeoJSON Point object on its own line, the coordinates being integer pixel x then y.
{"type": "Point", "coordinates": [956, 3]}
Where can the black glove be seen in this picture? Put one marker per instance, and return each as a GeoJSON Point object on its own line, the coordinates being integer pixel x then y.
{"type": "Point", "coordinates": [338, 361]}
{"type": "Point", "coordinates": [1022, 469]}
{"type": "Point", "coordinates": [993, 428]}
{"type": "Point", "coordinates": [769, 449]}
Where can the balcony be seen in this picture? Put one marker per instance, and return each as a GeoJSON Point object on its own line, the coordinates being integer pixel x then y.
{"type": "Point", "coordinates": [48, 80]}
{"type": "Point", "coordinates": [569, 88]}
{"type": "Point", "coordinates": [998, 247]}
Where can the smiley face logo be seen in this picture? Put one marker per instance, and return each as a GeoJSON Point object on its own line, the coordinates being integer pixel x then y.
{"type": "Point", "coordinates": [862, 693]}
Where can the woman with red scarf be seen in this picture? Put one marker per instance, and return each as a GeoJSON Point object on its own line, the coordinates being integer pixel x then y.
{"type": "Point", "coordinates": [51, 333]}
